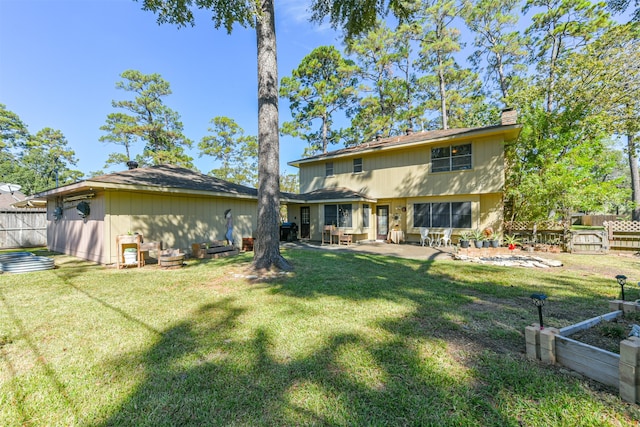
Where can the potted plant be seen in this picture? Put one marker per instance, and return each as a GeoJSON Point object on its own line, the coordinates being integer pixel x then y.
{"type": "Point", "coordinates": [478, 238]}
{"type": "Point", "coordinates": [511, 241]}
{"type": "Point", "coordinates": [465, 238]}
{"type": "Point", "coordinates": [494, 240]}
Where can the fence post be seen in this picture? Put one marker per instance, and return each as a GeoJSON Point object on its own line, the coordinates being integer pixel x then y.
{"type": "Point", "coordinates": [532, 337]}
{"type": "Point", "coordinates": [630, 370]}
{"type": "Point", "coordinates": [548, 345]}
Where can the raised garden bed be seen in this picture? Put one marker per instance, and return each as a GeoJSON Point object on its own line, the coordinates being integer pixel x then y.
{"type": "Point", "coordinates": [559, 346]}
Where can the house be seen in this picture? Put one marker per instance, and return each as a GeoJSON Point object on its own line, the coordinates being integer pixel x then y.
{"type": "Point", "coordinates": [167, 204]}
{"type": "Point", "coordinates": [439, 179]}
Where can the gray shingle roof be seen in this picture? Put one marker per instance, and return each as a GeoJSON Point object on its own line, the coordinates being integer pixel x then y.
{"type": "Point", "coordinates": [323, 194]}
{"type": "Point", "coordinates": [170, 176]}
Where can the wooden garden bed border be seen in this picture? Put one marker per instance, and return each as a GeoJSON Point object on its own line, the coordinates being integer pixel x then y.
{"type": "Point", "coordinates": [553, 346]}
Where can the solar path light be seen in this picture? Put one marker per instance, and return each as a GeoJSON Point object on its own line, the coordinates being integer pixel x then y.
{"type": "Point", "coordinates": [622, 280]}
{"type": "Point", "coordinates": [538, 301]}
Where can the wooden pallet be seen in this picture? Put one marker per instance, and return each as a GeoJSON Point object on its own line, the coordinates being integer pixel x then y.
{"type": "Point", "coordinates": [212, 250]}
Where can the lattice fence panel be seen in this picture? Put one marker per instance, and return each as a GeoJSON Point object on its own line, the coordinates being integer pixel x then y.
{"type": "Point", "coordinates": [531, 226]}
{"type": "Point", "coordinates": [623, 235]}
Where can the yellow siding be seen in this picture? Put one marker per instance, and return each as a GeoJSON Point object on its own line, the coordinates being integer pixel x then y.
{"type": "Point", "coordinates": [406, 173]}
{"type": "Point", "coordinates": [176, 221]}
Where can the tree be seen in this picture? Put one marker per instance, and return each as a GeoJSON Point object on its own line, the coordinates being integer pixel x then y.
{"type": "Point", "coordinates": [45, 162]}
{"type": "Point", "coordinates": [561, 27]}
{"type": "Point", "coordinates": [261, 15]}
{"type": "Point", "coordinates": [384, 66]}
{"type": "Point", "coordinates": [323, 84]}
{"type": "Point", "coordinates": [120, 128]}
{"type": "Point", "coordinates": [620, 6]}
{"type": "Point", "coordinates": [438, 43]}
{"type": "Point", "coordinates": [607, 76]}
{"type": "Point", "coordinates": [237, 152]}
{"type": "Point", "coordinates": [502, 51]}
{"type": "Point", "coordinates": [148, 120]}
{"type": "Point", "coordinates": [13, 136]}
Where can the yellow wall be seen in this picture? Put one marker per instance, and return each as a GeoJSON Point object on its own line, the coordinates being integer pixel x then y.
{"type": "Point", "coordinates": [406, 172]}
{"type": "Point", "coordinates": [176, 221]}
{"type": "Point", "coordinates": [399, 178]}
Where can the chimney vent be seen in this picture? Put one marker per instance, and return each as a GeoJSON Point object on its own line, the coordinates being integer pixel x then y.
{"type": "Point", "coordinates": [131, 164]}
{"type": "Point", "coordinates": [509, 117]}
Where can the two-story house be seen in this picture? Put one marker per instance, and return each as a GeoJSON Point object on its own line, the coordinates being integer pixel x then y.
{"type": "Point", "coordinates": [439, 179]}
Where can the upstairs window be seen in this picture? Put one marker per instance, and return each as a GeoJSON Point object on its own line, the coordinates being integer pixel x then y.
{"type": "Point", "coordinates": [451, 158]}
{"type": "Point", "coordinates": [328, 169]}
{"type": "Point", "coordinates": [357, 165]}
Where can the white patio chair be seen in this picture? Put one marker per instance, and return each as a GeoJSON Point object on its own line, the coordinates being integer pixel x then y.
{"type": "Point", "coordinates": [424, 236]}
{"type": "Point", "coordinates": [445, 240]}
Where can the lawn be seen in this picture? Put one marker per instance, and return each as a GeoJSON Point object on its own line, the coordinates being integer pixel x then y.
{"type": "Point", "coordinates": [347, 339]}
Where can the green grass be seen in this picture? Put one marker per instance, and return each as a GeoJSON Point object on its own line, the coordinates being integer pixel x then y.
{"type": "Point", "coordinates": [347, 339]}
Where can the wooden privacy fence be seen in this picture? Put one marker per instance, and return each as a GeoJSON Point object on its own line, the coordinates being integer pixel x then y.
{"type": "Point", "coordinates": [543, 232]}
{"type": "Point", "coordinates": [23, 228]}
{"type": "Point", "coordinates": [623, 235]}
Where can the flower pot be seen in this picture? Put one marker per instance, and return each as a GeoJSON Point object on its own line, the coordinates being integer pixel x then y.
{"type": "Point", "coordinates": [495, 243]}
{"type": "Point", "coordinates": [464, 244]}
{"type": "Point", "coordinates": [477, 243]}
{"type": "Point", "coordinates": [485, 244]}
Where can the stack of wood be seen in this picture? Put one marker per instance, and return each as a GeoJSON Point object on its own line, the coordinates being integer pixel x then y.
{"type": "Point", "coordinates": [215, 249]}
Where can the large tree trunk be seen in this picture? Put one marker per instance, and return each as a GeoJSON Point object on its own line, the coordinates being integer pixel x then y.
{"type": "Point", "coordinates": [635, 177]}
{"type": "Point", "coordinates": [267, 245]}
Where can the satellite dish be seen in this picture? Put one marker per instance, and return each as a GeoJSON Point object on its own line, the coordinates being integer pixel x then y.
{"type": "Point", "coordinates": [10, 188]}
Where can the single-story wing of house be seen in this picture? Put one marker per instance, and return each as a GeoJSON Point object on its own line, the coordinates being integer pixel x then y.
{"type": "Point", "coordinates": [168, 204]}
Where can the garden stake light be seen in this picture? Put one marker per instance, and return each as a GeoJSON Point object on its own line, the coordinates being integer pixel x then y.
{"type": "Point", "coordinates": [538, 301]}
{"type": "Point", "coordinates": [622, 280]}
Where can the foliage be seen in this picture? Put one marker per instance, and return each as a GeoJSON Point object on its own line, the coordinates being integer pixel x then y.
{"type": "Point", "coordinates": [35, 162]}
{"type": "Point", "coordinates": [323, 84]}
{"type": "Point", "coordinates": [290, 183]}
{"type": "Point", "coordinates": [561, 27]}
{"type": "Point", "coordinates": [477, 235]}
{"type": "Point", "coordinates": [511, 239]}
{"type": "Point", "coordinates": [500, 48]}
{"type": "Point", "coordinates": [237, 152]}
{"type": "Point", "coordinates": [388, 99]}
{"type": "Point", "coordinates": [45, 162]}
{"type": "Point", "coordinates": [13, 136]}
{"type": "Point", "coordinates": [149, 120]}
{"type": "Point", "coordinates": [620, 6]}
{"type": "Point", "coordinates": [13, 132]}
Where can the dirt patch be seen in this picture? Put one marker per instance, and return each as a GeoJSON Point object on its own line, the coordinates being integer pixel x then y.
{"type": "Point", "coordinates": [608, 334]}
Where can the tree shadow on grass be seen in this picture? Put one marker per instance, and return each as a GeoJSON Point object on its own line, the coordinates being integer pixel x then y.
{"type": "Point", "coordinates": [193, 378]}
{"type": "Point", "coordinates": [428, 370]}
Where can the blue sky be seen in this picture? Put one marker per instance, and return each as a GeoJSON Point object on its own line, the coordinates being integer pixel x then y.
{"type": "Point", "coordinates": [60, 61]}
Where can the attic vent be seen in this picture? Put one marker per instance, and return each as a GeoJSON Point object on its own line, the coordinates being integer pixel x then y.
{"type": "Point", "coordinates": [131, 164]}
